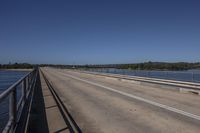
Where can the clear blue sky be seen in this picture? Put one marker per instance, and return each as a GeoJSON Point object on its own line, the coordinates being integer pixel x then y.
{"type": "Point", "coordinates": [99, 31]}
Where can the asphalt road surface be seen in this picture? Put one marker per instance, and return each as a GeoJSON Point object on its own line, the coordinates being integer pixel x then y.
{"type": "Point", "coordinates": [103, 105]}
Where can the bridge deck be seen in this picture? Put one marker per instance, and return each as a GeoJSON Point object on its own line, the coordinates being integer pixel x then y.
{"type": "Point", "coordinates": [100, 104]}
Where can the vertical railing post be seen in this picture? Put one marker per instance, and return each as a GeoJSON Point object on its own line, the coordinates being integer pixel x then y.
{"type": "Point", "coordinates": [24, 90]}
{"type": "Point", "coordinates": [27, 85]}
{"type": "Point", "coordinates": [28, 79]}
{"type": "Point", "coordinates": [29, 82]}
{"type": "Point", "coordinates": [12, 108]}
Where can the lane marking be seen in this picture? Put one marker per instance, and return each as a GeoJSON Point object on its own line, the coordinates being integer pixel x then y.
{"type": "Point", "coordinates": [138, 98]}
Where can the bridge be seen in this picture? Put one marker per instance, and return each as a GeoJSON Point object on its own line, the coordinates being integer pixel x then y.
{"type": "Point", "coordinates": [63, 100]}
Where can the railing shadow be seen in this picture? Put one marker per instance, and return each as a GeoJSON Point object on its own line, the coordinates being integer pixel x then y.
{"type": "Point", "coordinates": [38, 120]}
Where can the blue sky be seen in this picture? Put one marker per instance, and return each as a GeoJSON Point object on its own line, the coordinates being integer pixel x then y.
{"type": "Point", "coordinates": [99, 31]}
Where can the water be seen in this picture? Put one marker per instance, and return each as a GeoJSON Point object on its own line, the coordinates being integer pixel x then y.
{"type": "Point", "coordinates": [189, 76]}
{"type": "Point", "coordinates": [7, 78]}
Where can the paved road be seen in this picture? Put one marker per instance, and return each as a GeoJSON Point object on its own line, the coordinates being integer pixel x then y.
{"type": "Point", "coordinates": [100, 104]}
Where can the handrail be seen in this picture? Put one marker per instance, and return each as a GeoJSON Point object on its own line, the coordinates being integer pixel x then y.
{"type": "Point", "coordinates": [7, 91]}
{"type": "Point", "coordinates": [27, 83]}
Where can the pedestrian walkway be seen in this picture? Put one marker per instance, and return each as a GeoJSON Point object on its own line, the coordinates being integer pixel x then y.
{"type": "Point", "coordinates": [45, 113]}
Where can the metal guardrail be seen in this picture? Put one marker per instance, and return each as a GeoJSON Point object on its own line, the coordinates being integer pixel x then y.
{"type": "Point", "coordinates": [16, 105]}
{"type": "Point", "coordinates": [190, 85]}
{"type": "Point", "coordinates": [185, 76]}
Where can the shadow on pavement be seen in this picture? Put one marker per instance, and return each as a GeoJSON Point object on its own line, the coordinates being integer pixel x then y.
{"type": "Point", "coordinates": [38, 120]}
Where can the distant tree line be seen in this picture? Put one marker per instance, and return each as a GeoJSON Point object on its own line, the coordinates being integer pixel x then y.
{"type": "Point", "coordinates": [160, 66]}
{"type": "Point", "coordinates": [149, 66]}
{"type": "Point", "coordinates": [136, 66]}
{"type": "Point", "coordinates": [16, 66]}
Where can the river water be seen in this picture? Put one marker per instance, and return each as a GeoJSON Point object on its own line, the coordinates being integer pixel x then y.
{"type": "Point", "coordinates": [190, 75]}
{"type": "Point", "coordinates": [7, 78]}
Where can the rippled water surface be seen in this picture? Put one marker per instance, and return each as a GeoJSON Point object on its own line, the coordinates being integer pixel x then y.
{"type": "Point", "coordinates": [7, 78]}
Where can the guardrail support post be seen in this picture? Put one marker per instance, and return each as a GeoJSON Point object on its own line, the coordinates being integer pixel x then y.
{"type": "Point", "coordinates": [12, 109]}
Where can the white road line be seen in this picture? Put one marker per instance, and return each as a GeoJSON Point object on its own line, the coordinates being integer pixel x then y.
{"type": "Point", "coordinates": [139, 98]}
